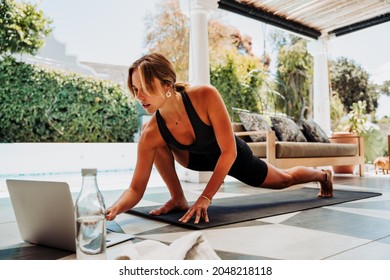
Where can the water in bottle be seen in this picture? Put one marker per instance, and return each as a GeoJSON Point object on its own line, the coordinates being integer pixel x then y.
{"type": "Point", "coordinates": [90, 219]}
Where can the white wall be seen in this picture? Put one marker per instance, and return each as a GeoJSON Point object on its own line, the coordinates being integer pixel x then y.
{"type": "Point", "coordinates": [41, 158]}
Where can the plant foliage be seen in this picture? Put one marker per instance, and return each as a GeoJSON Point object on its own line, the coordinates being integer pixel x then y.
{"type": "Point", "coordinates": [23, 28]}
{"type": "Point", "coordinates": [237, 88]}
{"type": "Point", "coordinates": [168, 33]}
{"type": "Point", "coordinates": [351, 82]}
{"type": "Point", "coordinates": [38, 105]}
{"type": "Point", "coordinates": [294, 76]}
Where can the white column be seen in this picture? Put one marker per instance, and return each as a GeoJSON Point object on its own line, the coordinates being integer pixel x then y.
{"type": "Point", "coordinates": [321, 92]}
{"type": "Point", "coordinates": [199, 72]}
{"type": "Point", "coordinates": [200, 10]}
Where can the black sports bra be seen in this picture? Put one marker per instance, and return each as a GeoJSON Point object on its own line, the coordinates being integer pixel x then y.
{"type": "Point", "coordinates": [205, 140]}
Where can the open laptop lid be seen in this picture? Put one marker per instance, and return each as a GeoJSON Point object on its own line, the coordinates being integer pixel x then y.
{"type": "Point", "coordinates": [44, 212]}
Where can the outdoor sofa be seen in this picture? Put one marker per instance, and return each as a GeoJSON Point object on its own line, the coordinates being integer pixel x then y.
{"type": "Point", "coordinates": [285, 144]}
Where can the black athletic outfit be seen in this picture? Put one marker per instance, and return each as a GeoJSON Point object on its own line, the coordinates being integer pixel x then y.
{"type": "Point", "coordinates": [204, 152]}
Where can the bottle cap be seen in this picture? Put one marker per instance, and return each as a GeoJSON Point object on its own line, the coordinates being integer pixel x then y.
{"type": "Point", "coordinates": [89, 171]}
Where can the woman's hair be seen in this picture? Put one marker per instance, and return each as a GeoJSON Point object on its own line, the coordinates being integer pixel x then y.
{"type": "Point", "coordinates": [152, 66]}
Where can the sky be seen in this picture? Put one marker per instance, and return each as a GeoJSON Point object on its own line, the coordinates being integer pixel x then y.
{"type": "Point", "coordinates": [113, 32]}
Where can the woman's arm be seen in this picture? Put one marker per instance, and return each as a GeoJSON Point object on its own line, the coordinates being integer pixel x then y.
{"type": "Point", "coordinates": [145, 158]}
{"type": "Point", "coordinates": [219, 119]}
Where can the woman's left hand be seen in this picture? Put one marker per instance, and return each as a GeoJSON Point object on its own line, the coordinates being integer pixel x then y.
{"type": "Point", "coordinates": [199, 209]}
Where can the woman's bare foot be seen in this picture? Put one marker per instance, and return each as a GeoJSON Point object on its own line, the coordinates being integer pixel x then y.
{"type": "Point", "coordinates": [171, 205]}
{"type": "Point", "coordinates": [327, 185]}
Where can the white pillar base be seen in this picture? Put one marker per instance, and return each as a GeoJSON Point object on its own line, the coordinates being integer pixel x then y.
{"type": "Point", "coordinates": [191, 176]}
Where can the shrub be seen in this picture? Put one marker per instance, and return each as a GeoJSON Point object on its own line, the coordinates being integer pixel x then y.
{"type": "Point", "coordinates": [40, 105]}
{"type": "Point", "coordinates": [235, 86]}
{"type": "Point", "coordinates": [23, 27]}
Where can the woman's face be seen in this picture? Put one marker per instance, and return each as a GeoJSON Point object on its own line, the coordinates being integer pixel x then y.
{"type": "Point", "coordinates": [151, 101]}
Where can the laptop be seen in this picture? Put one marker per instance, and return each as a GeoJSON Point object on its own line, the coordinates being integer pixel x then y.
{"type": "Point", "coordinates": [44, 212]}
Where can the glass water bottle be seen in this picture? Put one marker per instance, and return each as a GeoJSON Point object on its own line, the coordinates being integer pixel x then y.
{"type": "Point", "coordinates": [90, 214]}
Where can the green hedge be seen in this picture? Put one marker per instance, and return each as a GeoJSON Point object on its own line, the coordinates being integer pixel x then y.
{"type": "Point", "coordinates": [40, 105]}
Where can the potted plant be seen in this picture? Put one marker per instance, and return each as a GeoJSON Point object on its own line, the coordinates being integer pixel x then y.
{"type": "Point", "coordinates": [348, 129]}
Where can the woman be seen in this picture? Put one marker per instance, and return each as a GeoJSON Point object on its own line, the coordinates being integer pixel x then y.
{"type": "Point", "coordinates": [191, 125]}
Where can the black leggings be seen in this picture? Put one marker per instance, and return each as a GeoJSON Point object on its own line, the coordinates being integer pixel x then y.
{"type": "Point", "coordinates": [247, 168]}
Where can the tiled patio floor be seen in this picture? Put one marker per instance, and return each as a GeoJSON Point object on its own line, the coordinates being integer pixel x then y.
{"type": "Point", "coordinates": [358, 230]}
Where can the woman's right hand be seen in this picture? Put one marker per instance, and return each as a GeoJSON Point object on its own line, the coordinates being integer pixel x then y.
{"type": "Point", "coordinates": [111, 214]}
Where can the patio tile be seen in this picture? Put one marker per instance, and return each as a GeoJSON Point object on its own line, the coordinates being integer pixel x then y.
{"type": "Point", "coordinates": [358, 230]}
{"type": "Point", "coordinates": [370, 251]}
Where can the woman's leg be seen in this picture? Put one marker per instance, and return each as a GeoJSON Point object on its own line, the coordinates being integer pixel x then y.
{"type": "Point", "coordinates": [165, 164]}
{"type": "Point", "coordinates": [283, 178]}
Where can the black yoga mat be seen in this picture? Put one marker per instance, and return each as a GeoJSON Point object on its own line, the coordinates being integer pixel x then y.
{"type": "Point", "coordinates": [231, 210]}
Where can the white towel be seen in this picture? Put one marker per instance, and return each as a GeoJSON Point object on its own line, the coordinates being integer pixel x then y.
{"type": "Point", "coordinates": [193, 246]}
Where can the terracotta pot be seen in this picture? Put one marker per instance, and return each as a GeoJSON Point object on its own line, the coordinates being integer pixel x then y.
{"type": "Point", "coordinates": [344, 137]}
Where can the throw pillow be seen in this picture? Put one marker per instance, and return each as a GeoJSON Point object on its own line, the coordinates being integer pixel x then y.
{"type": "Point", "coordinates": [313, 132]}
{"type": "Point", "coordinates": [287, 130]}
{"type": "Point", "coordinates": [255, 122]}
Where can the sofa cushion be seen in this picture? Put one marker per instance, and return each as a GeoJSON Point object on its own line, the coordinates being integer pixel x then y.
{"type": "Point", "coordinates": [305, 150]}
{"type": "Point", "coordinates": [255, 122]}
{"type": "Point", "coordinates": [287, 130]}
{"type": "Point", "coordinates": [313, 132]}
{"type": "Point", "coordinates": [259, 149]}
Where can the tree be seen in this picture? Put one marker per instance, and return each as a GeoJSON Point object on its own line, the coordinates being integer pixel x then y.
{"type": "Point", "coordinates": [294, 74]}
{"type": "Point", "coordinates": [385, 88]}
{"type": "Point", "coordinates": [168, 33]}
{"type": "Point", "coordinates": [351, 82]}
{"type": "Point", "coordinates": [227, 38]}
{"type": "Point", "coordinates": [23, 28]}
{"type": "Point", "coordinates": [231, 57]}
